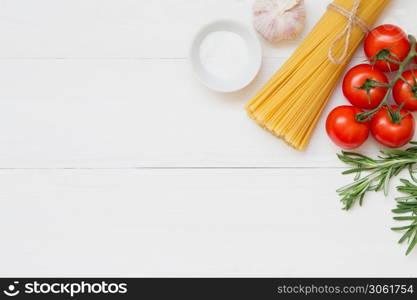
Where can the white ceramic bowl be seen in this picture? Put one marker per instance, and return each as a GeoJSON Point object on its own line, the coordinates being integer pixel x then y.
{"type": "Point", "coordinates": [245, 76]}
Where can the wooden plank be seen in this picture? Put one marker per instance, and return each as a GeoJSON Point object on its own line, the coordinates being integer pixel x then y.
{"type": "Point", "coordinates": [131, 28]}
{"type": "Point", "coordinates": [192, 223]}
{"type": "Point", "coordinates": [135, 113]}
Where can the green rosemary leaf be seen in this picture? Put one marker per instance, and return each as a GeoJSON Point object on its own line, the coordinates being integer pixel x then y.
{"type": "Point", "coordinates": [405, 218]}
{"type": "Point", "coordinates": [406, 183]}
{"type": "Point", "coordinates": [402, 228]}
{"type": "Point", "coordinates": [351, 187]}
{"type": "Point", "coordinates": [409, 204]}
{"type": "Point", "coordinates": [361, 199]}
{"type": "Point", "coordinates": [411, 171]}
{"type": "Point", "coordinates": [354, 154]}
{"type": "Point", "coordinates": [397, 153]}
{"type": "Point", "coordinates": [412, 244]}
{"type": "Point", "coordinates": [386, 181]}
{"type": "Point", "coordinates": [396, 172]}
{"type": "Point", "coordinates": [356, 170]}
{"type": "Point", "coordinates": [406, 236]}
{"type": "Point", "coordinates": [405, 198]}
{"type": "Point", "coordinates": [402, 211]}
{"type": "Point", "coordinates": [358, 176]}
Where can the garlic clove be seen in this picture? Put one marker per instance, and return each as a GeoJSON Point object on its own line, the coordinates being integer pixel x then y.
{"type": "Point", "coordinates": [288, 5]}
{"type": "Point", "coordinates": [278, 20]}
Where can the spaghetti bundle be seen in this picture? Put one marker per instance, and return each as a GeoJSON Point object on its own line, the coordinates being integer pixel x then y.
{"type": "Point", "coordinates": [291, 103]}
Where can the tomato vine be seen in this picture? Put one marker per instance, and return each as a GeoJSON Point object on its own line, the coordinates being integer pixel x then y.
{"type": "Point", "coordinates": [395, 115]}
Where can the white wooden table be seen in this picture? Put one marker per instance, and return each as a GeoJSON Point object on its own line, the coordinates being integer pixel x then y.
{"type": "Point", "coordinates": [115, 161]}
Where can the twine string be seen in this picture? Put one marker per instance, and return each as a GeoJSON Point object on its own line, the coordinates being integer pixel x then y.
{"type": "Point", "coordinates": [353, 20]}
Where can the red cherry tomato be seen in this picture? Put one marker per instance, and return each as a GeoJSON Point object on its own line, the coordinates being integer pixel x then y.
{"type": "Point", "coordinates": [344, 130]}
{"type": "Point", "coordinates": [390, 134]}
{"type": "Point", "coordinates": [387, 38]}
{"type": "Point", "coordinates": [403, 92]}
{"type": "Point", "coordinates": [358, 89]}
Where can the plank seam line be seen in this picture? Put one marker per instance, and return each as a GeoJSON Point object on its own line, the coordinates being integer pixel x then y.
{"type": "Point", "coordinates": [174, 168]}
{"type": "Point", "coordinates": [144, 58]}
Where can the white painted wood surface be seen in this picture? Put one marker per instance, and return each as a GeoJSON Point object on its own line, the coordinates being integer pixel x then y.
{"type": "Point", "coordinates": [115, 161]}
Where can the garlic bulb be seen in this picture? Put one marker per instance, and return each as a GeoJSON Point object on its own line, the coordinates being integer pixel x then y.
{"type": "Point", "coordinates": [278, 20]}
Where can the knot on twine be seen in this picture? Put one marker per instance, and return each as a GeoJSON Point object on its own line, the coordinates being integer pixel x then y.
{"type": "Point", "coordinates": [353, 19]}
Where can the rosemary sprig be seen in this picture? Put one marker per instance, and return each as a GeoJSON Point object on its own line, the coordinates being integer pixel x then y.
{"type": "Point", "coordinates": [382, 169]}
{"type": "Point", "coordinates": [407, 205]}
